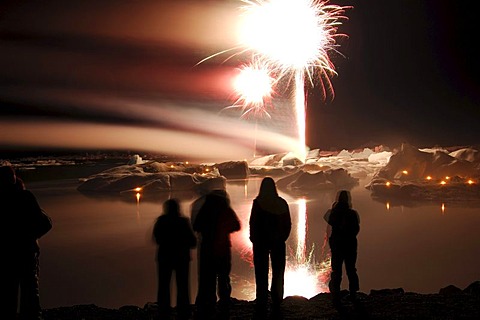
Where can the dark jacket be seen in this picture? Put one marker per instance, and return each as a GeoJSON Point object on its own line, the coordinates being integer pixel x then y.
{"type": "Point", "coordinates": [174, 237]}
{"type": "Point", "coordinates": [344, 221]}
{"type": "Point", "coordinates": [23, 220]}
{"type": "Point", "coordinates": [215, 221]}
{"type": "Point", "coordinates": [272, 225]}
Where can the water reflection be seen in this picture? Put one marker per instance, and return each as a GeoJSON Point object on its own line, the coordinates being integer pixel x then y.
{"type": "Point", "coordinates": [99, 239]}
{"type": "Point", "coordinates": [303, 275]}
{"type": "Point", "coordinates": [138, 196]}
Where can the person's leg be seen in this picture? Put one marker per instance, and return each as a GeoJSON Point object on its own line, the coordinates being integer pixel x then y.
{"type": "Point", "coordinates": [224, 286]}
{"type": "Point", "coordinates": [351, 271]}
{"type": "Point", "coordinates": [163, 291]}
{"type": "Point", "coordinates": [278, 253]}
{"type": "Point", "coordinates": [336, 274]}
{"type": "Point", "coordinates": [9, 284]}
{"type": "Point", "coordinates": [29, 290]}
{"type": "Point", "coordinates": [207, 283]}
{"type": "Point", "coordinates": [183, 295]}
{"type": "Point", "coordinates": [260, 262]}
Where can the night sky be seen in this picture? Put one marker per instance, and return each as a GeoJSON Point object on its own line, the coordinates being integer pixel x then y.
{"type": "Point", "coordinates": [407, 73]}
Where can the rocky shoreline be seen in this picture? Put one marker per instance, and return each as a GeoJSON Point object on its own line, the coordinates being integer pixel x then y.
{"type": "Point", "coordinates": [449, 303]}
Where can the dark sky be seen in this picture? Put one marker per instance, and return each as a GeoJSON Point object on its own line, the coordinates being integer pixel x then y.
{"type": "Point", "coordinates": [411, 73]}
{"type": "Point", "coordinates": [409, 70]}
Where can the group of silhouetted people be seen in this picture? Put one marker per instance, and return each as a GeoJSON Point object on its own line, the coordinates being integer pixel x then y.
{"type": "Point", "coordinates": [212, 222]}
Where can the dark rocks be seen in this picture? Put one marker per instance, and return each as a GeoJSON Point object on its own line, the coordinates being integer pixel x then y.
{"type": "Point", "coordinates": [473, 288]}
{"type": "Point", "coordinates": [386, 292]}
{"type": "Point", "coordinates": [379, 304]}
{"type": "Point", "coordinates": [451, 289]}
{"type": "Point", "coordinates": [234, 169]}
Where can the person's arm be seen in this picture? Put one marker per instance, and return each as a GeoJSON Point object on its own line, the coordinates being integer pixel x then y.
{"type": "Point", "coordinates": [192, 239]}
{"type": "Point", "coordinates": [253, 222]}
{"type": "Point", "coordinates": [156, 231]}
{"type": "Point", "coordinates": [198, 223]}
{"type": "Point", "coordinates": [357, 230]}
{"type": "Point", "coordinates": [287, 222]}
{"type": "Point", "coordinates": [326, 217]}
{"type": "Point", "coordinates": [42, 223]}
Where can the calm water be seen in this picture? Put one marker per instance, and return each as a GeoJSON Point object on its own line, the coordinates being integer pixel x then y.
{"type": "Point", "coordinates": [100, 249]}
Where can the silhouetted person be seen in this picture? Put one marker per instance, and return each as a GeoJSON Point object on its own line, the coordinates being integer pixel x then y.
{"type": "Point", "coordinates": [215, 221]}
{"type": "Point", "coordinates": [175, 238]}
{"type": "Point", "coordinates": [270, 226]}
{"type": "Point", "coordinates": [343, 226]}
{"type": "Point", "coordinates": [24, 222]}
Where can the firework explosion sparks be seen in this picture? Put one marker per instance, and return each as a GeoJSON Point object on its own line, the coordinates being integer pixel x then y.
{"type": "Point", "coordinates": [254, 89]}
{"type": "Point", "coordinates": [289, 37]}
{"type": "Point", "coordinates": [294, 36]}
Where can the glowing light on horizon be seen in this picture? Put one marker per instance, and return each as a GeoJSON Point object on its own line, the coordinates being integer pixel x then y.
{"type": "Point", "coordinates": [388, 183]}
{"type": "Point", "coordinates": [470, 181]}
{"type": "Point", "coordinates": [443, 208]}
{"type": "Point", "coordinates": [443, 182]}
{"type": "Point", "coordinates": [428, 178]}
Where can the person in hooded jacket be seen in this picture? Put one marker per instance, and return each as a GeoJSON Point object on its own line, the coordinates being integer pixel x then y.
{"type": "Point", "coordinates": [270, 226]}
{"type": "Point", "coordinates": [343, 227]}
{"type": "Point", "coordinates": [175, 238]}
{"type": "Point", "coordinates": [24, 223]}
{"type": "Point", "coordinates": [215, 221]}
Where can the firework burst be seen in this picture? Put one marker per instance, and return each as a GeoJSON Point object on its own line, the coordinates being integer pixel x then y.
{"type": "Point", "coordinates": [293, 39]}
{"type": "Point", "coordinates": [293, 35]}
{"type": "Point", "coordinates": [254, 89]}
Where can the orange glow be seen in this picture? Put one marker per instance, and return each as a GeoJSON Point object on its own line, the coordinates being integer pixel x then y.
{"type": "Point", "coordinates": [388, 205]}
{"type": "Point", "coordinates": [443, 182]}
{"type": "Point", "coordinates": [405, 172]}
{"type": "Point", "coordinates": [428, 178]}
{"type": "Point", "coordinates": [138, 189]}
{"type": "Point", "coordinates": [447, 177]}
{"type": "Point", "coordinates": [388, 184]}
{"type": "Point", "coordinates": [470, 181]}
{"type": "Point", "coordinates": [186, 162]}
{"type": "Point", "coordinates": [443, 208]}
